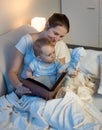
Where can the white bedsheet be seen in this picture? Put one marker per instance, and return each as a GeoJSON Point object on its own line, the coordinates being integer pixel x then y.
{"type": "Point", "coordinates": [34, 113]}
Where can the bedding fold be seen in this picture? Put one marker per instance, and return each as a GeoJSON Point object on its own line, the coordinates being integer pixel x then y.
{"type": "Point", "coordinates": [34, 113]}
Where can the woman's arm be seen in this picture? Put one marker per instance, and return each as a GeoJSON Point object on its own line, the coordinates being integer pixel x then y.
{"type": "Point", "coordinates": [13, 72]}
{"type": "Point", "coordinates": [14, 68]}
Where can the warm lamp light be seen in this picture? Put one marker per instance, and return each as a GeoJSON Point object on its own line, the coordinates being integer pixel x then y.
{"type": "Point", "coordinates": [38, 23]}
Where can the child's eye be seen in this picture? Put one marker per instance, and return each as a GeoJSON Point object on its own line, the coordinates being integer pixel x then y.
{"type": "Point", "coordinates": [49, 55]}
{"type": "Point", "coordinates": [54, 52]}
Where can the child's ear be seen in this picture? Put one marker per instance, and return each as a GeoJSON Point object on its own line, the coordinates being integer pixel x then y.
{"type": "Point", "coordinates": [39, 57]}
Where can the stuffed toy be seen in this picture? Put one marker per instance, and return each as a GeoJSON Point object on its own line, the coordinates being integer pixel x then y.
{"type": "Point", "coordinates": [72, 65]}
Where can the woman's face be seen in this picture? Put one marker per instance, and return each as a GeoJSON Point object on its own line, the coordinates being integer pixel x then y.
{"type": "Point", "coordinates": [56, 33]}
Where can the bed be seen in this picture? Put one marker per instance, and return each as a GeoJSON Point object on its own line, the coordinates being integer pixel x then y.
{"type": "Point", "coordinates": [68, 111]}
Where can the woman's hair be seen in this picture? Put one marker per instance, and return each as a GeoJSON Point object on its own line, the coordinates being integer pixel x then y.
{"type": "Point", "coordinates": [58, 19]}
{"type": "Point", "coordinates": [39, 43]}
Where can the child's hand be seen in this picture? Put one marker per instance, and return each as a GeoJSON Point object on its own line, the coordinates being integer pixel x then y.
{"type": "Point", "coordinates": [28, 73]}
{"type": "Point", "coordinates": [32, 77]}
{"type": "Point", "coordinates": [75, 73]}
{"type": "Point", "coordinates": [78, 70]}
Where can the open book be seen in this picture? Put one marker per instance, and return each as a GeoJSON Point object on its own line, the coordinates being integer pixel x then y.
{"type": "Point", "coordinates": [39, 89]}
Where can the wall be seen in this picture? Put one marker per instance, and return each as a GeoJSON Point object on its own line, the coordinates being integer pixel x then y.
{"type": "Point", "coordinates": [45, 8]}
{"type": "Point", "coordinates": [100, 24]}
{"type": "Point", "coordinates": [14, 13]}
{"type": "Point", "coordinates": [85, 20]}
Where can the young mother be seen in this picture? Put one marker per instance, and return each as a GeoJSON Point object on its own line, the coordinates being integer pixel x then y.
{"type": "Point", "coordinates": [56, 28]}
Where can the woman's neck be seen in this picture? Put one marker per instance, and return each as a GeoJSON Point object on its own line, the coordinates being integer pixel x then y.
{"type": "Point", "coordinates": [38, 35]}
{"type": "Point", "coordinates": [42, 34]}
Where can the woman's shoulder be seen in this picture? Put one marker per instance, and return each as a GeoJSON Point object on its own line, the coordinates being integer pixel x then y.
{"type": "Point", "coordinates": [25, 43]}
{"type": "Point", "coordinates": [27, 36]}
{"type": "Point", "coordinates": [61, 42]}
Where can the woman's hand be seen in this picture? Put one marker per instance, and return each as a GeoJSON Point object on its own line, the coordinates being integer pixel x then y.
{"type": "Point", "coordinates": [20, 91]}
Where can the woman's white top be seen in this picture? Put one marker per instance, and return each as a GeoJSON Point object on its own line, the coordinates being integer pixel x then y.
{"type": "Point", "coordinates": [25, 46]}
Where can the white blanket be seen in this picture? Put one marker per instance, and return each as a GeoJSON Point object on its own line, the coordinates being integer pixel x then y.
{"type": "Point", "coordinates": [34, 113]}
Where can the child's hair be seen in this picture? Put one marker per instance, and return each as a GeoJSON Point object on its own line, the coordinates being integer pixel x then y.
{"type": "Point", "coordinates": [58, 19]}
{"type": "Point", "coordinates": [39, 43]}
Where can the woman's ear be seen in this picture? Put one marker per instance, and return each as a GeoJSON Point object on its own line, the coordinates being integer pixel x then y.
{"type": "Point", "coordinates": [47, 26]}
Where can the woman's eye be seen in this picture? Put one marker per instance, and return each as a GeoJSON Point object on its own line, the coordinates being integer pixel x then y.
{"type": "Point", "coordinates": [55, 33]}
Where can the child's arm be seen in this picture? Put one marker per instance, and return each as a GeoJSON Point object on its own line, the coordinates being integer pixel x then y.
{"type": "Point", "coordinates": [29, 73]}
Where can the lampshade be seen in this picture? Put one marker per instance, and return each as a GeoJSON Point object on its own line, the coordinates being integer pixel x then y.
{"type": "Point", "coordinates": [38, 23]}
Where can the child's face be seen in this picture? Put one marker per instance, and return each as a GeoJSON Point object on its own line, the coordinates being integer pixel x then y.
{"type": "Point", "coordinates": [48, 54]}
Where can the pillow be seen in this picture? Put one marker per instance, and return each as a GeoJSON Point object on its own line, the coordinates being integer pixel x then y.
{"type": "Point", "coordinates": [90, 63]}
{"type": "Point", "coordinates": [2, 85]}
{"type": "Point", "coordinates": [100, 68]}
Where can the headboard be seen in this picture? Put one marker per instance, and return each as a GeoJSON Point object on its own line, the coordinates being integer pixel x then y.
{"type": "Point", "coordinates": [86, 47]}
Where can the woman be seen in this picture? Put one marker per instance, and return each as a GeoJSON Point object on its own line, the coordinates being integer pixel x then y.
{"type": "Point", "coordinates": [56, 28]}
